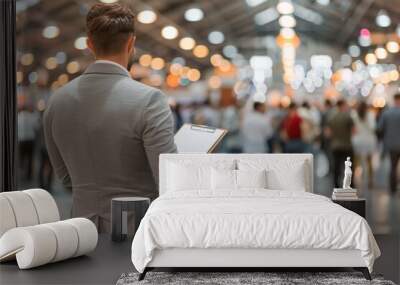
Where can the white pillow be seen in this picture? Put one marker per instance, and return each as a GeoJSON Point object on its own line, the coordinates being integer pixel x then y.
{"type": "Point", "coordinates": [226, 179]}
{"type": "Point", "coordinates": [282, 174]}
{"type": "Point", "coordinates": [181, 178]}
{"type": "Point", "coordinates": [223, 179]}
{"type": "Point", "coordinates": [251, 178]}
{"type": "Point", "coordinates": [186, 175]}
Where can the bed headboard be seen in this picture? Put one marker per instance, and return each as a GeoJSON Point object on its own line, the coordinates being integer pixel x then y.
{"type": "Point", "coordinates": [210, 158]}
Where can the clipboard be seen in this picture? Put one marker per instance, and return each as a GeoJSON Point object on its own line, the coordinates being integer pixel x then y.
{"type": "Point", "coordinates": [198, 139]}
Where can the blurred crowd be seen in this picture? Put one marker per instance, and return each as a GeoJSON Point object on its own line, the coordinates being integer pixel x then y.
{"type": "Point", "coordinates": [332, 131]}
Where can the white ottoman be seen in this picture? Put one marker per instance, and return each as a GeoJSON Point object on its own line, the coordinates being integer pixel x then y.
{"type": "Point", "coordinates": [31, 233]}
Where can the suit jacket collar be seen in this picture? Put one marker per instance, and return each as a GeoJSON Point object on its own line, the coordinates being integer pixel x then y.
{"type": "Point", "coordinates": [104, 67]}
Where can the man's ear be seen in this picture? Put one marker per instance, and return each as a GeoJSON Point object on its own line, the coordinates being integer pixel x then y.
{"type": "Point", "coordinates": [90, 45]}
{"type": "Point", "coordinates": [131, 44]}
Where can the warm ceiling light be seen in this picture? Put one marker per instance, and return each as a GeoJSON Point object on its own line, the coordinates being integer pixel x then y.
{"type": "Point", "coordinates": [383, 19]}
{"type": "Point", "coordinates": [285, 7]}
{"type": "Point", "coordinates": [145, 60]}
{"type": "Point", "coordinates": [200, 51]}
{"type": "Point", "coordinates": [169, 32]}
{"type": "Point", "coordinates": [381, 53]}
{"type": "Point", "coordinates": [392, 47]}
{"type": "Point", "coordinates": [225, 66]}
{"type": "Point", "coordinates": [287, 33]}
{"type": "Point", "coordinates": [63, 79]}
{"type": "Point", "coordinates": [216, 59]}
{"type": "Point", "coordinates": [370, 58]}
{"type": "Point", "coordinates": [147, 17]}
{"type": "Point", "coordinates": [287, 21]}
{"type": "Point", "coordinates": [184, 71]}
{"type": "Point", "coordinates": [172, 81]}
{"type": "Point", "coordinates": [214, 82]}
{"type": "Point", "coordinates": [51, 63]}
{"type": "Point", "coordinates": [193, 74]}
{"type": "Point", "coordinates": [73, 67]}
{"type": "Point", "coordinates": [187, 43]}
{"type": "Point", "coordinates": [27, 59]}
{"type": "Point", "coordinates": [80, 43]}
{"type": "Point", "coordinates": [194, 15]}
{"type": "Point", "coordinates": [157, 63]}
{"type": "Point", "coordinates": [216, 37]}
{"type": "Point", "coordinates": [175, 68]}
{"type": "Point", "coordinates": [51, 32]}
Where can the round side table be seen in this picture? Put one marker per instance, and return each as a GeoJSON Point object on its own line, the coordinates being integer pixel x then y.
{"type": "Point", "coordinates": [119, 214]}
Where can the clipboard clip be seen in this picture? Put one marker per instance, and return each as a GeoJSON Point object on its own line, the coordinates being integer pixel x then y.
{"type": "Point", "coordinates": [201, 128]}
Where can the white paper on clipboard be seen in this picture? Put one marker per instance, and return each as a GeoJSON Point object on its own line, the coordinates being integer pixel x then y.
{"type": "Point", "coordinates": [198, 139]}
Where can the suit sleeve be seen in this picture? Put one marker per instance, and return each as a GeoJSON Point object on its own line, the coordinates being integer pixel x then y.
{"type": "Point", "coordinates": [54, 154]}
{"type": "Point", "coordinates": [158, 134]}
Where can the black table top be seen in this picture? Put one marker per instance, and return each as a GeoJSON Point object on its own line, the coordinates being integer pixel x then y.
{"type": "Point", "coordinates": [102, 266]}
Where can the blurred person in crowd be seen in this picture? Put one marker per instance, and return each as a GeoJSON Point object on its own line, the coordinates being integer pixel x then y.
{"type": "Point", "coordinates": [27, 126]}
{"type": "Point", "coordinates": [292, 131]}
{"type": "Point", "coordinates": [105, 131]}
{"type": "Point", "coordinates": [230, 120]}
{"type": "Point", "coordinates": [364, 139]}
{"type": "Point", "coordinates": [340, 128]}
{"type": "Point", "coordinates": [326, 113]}
{"type": "Point", "coordinates": [309, 126]}
{"type": "Point", "coordinates": [256, 130]}
{"type": "Point", "coordinates": [389, 128]}
{"type": "Point", "coordinates": [176, 113]}
{"type": "Point", "coordinates": [210, 114]}
{"type": "Point", "coordinates": [277, 116]}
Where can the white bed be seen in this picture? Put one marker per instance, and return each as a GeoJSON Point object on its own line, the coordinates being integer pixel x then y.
{"type": "Point", "coordinates": [280, 225]}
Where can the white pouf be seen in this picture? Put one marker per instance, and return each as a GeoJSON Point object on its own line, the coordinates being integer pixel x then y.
{"type": "Point", "coordinates": [30, 230]}
{"type": "Point", "coordinates": [37, 245]}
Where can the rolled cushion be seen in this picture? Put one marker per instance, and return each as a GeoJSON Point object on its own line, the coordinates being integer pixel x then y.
{"type": "Point", "coordinates": [7, 218]}
{"type": "Point", "coordinates": [87, 235]}
{"type": "Point", "coordinates": [67, 240]}
{"type": "Point", "coordinates": [26, 208]}
{"type": "Point", "coordinates": [23, 208]}
{"type": "Point", "coordinates": [33, 246]}
{"type": "Point", "coordinates": [40, 244]}
{"type": "Point", "coordinates": [46, 207]}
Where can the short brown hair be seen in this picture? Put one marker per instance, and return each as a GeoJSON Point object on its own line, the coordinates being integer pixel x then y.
{"type": "Point", "coordinates": [109, 26]}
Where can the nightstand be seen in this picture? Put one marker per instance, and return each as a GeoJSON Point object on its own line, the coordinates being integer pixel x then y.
{"type": "Point", "coordinates": [358, 206]}
{"type": "Point", "coordinates": [119, 215]}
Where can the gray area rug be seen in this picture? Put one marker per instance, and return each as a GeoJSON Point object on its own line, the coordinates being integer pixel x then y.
{"type": "Point", "coordinates": [273, 278]}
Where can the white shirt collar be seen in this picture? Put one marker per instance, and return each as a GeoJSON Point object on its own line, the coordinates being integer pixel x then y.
{"type": "Point", "coordinates": [110, 62]}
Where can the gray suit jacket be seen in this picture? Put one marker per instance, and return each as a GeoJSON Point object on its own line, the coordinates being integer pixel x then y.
{"type": "Point", "coordinates": [104, 133]}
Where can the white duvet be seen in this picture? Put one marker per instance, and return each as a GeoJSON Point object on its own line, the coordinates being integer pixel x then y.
{"type": "Point", "coordinates": [250, 219]}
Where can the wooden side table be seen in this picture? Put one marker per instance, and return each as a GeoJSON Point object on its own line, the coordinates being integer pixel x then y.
{"type": "Point", "coordinates": [357, 206]}
{"type": "Point", "coordinates": [119, 214]}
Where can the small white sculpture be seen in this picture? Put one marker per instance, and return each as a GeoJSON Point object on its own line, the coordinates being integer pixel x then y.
{"type": "Point", "coordinates": [347, 174]}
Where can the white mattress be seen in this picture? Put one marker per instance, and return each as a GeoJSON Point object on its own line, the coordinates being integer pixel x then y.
{"type": "Point", "coordinates": [253, 219]}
